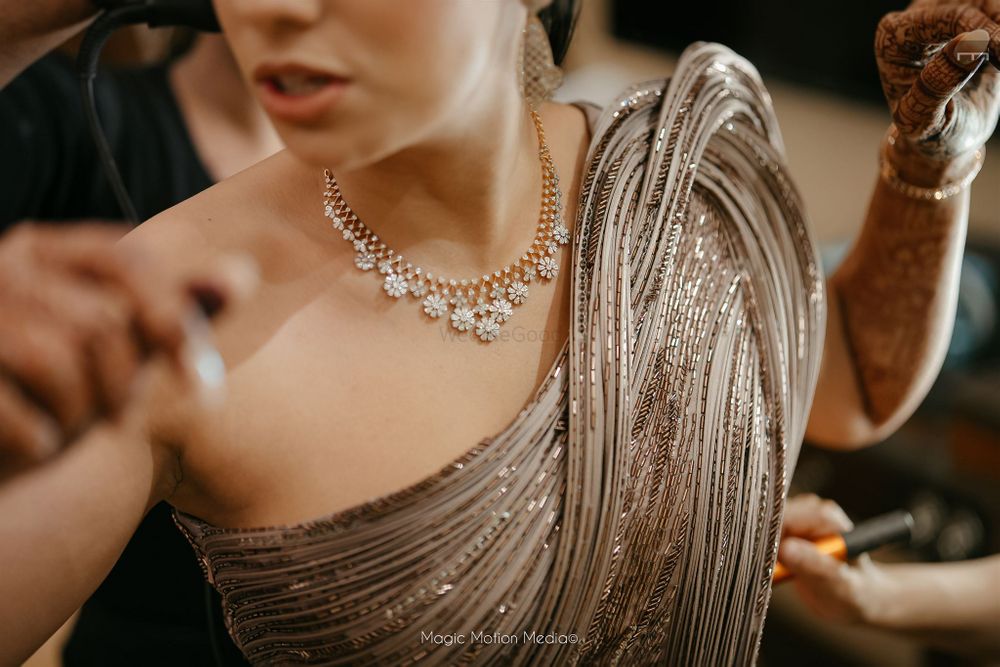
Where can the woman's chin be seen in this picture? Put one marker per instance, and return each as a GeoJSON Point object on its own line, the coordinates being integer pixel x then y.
{"type": "Point", "coordinates": [333, 149]}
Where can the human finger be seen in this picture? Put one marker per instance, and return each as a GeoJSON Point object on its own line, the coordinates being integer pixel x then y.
{"type": "Point", "coordinates": [101, 323]}
{"type": "Point", "coordinates": [91, 252]}
{"type": "Point", "coordinates": [63, 242]}
{"type": "Point", "coordinates": [47, 365]}
{"type": "Point", "coordinates": [26, 433]}
{"type": "Point", "coordinates": [183, 299]}
{"type": "Point", "coordinates": [924, 110]}
{"type": "Point", "coordinates": [810, 516]}
{"type": "Point", "coordinates": [909, 36]}
{"type": "Point", "coordinates": [155, 296]}
{"type": "Point", "coordinates": [114, 362]}
{"type": "Point", "coordinates": [170, 296]}
{"type": "Point", "coordinates": [803, 559]}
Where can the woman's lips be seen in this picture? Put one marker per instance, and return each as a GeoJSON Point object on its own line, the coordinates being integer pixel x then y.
{"type": "Point", "coordinates": [298, 94]}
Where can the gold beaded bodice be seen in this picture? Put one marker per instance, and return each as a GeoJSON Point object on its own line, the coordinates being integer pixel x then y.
{"type": "Point", "coordinates": [630, 513]}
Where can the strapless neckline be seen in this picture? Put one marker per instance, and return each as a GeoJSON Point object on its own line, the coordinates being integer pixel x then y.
{"type": "Point", "coordinates": [380, 504]}
{"type": "Point", "coordinates": [373, 507]}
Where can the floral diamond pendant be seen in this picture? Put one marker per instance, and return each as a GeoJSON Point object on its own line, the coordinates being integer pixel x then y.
{"type": "Point", "coordinates": [479, 306]}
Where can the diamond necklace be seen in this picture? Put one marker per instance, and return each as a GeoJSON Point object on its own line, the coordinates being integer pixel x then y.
{"type": "Point", "coordinates": [482, 304]}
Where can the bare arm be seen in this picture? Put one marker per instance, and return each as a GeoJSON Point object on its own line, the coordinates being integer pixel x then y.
{"type": "Point", "coordinates": [891, 308]}
{"type": "Point", "coordinates": [93, 338]}
{"type": "Point", "coordinates": [955, 606]}
{"type": "Point", "coordinates": [63, 526]}
{"type": "Point", "coordinates": [892, 301]}
{"type": "Point", "coordinates": [29, 30]}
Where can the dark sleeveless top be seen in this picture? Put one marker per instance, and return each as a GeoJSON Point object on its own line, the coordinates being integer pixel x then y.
{"type": "Point", "coordinates": [151, 609]}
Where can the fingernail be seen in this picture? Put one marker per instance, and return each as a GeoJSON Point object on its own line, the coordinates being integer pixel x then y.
{"type": "Point", "coordinates": [971, 47]}
{"type": "Point", "coordinates": [844, 521]}
{"type": "Point", "coordinates": [47, 439]}
{"type": "Point", "coordinates": [203, 361]}
{"type": "Point", "coordinates": [791, 551]}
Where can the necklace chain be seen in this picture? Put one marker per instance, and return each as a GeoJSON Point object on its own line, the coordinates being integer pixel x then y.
{"type": "Point", "coordinates": [482, 304]}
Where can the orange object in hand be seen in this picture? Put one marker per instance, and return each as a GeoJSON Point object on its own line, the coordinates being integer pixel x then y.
{"type": "Point", "coordinates": [890, 528]}
{"type": "Point", "coordinates": [832, 545]}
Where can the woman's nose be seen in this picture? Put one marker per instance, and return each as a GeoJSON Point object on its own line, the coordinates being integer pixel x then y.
{"type": "Point", "coordinates": [279, 13]}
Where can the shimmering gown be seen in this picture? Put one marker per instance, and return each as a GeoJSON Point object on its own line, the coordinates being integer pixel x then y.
{"type": "Point", "coordinates": [630, 513]}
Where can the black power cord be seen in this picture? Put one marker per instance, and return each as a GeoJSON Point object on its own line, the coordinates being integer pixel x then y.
{"type": "Point", "coordinates": [196, 14]}
{"type": "Point", "coordinates": [87, 61]}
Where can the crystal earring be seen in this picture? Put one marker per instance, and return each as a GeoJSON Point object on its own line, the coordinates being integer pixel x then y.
{"type": "Point", "coordinates": [539, 74]}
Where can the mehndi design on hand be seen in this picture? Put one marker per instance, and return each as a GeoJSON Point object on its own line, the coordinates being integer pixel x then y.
{"type": "Point", "coordinates": [939, 61]}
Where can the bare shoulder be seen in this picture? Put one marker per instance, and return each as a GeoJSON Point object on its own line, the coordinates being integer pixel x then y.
{"type": "Point", "coordinates": [250, 214]}
{"type": "Point", "coordinates": [234, 215]}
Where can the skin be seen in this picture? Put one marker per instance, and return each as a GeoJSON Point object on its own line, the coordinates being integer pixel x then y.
{"type": "Point", "coordinates": [948, 605]}
{"type": "Point", "coordinates": [88, 329]}
{"type": "Point", "coordinates": [70, 328]}
{"type": "Point", "coordinates": [227, 126]}
{"type": "Point", "coordinates": [30, 30]}
{"type": "Point", "coordinates": [337, 394]}
{"type": "Point", "coordinates": [892, 301]}
{"type": "Point", "coordinates": [310, 308]}
{"type": "Point", "coordinates": [82, 320]}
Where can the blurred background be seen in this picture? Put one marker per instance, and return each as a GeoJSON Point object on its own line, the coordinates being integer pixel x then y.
{"type": "Point", "coordinates": [817, 61]}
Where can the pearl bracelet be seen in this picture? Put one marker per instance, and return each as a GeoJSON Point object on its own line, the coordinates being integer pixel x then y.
{"type": "Point", "coordinates": [891, 176]}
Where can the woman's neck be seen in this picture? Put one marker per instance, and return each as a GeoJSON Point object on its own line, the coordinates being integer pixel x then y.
{"type": "Point", "coordinates": [210, 69]}
{"type": "Point", "coordinates": [228, 128]}
{"type": "Point", "coordinates": [466, 198]}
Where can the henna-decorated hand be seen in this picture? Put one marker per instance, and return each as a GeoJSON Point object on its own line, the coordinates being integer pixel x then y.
{"type": "Point", "coordinates": [939, 61]}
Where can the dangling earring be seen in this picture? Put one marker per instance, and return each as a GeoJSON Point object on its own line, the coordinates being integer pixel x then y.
{"type": "Point", "coordinates": [539, 74]}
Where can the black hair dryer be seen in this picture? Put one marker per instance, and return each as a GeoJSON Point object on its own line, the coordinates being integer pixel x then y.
{"type": "Point", "coordinates": [198, 14]}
